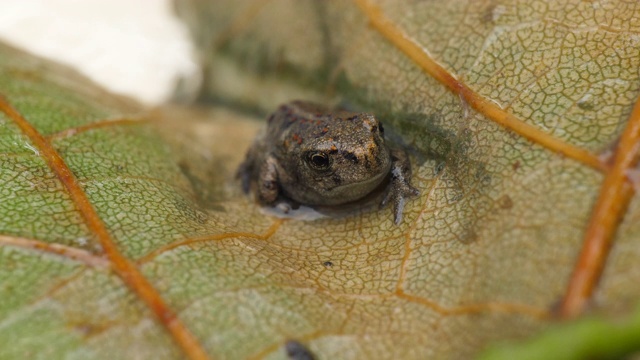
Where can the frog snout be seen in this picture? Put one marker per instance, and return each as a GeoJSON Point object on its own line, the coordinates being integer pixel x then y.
{"type": "Point", "coordinates": [373, 125]}
{"type": "Point", "coordinates": [372, 156]}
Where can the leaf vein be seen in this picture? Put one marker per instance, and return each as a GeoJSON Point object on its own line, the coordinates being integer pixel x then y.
{"type": "Point", "coordinates": [487, 107]}
{"type": "Point", "coordinates": [122, 266]}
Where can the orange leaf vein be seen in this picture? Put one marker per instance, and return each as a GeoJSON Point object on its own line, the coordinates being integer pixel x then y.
{"type": "Point", "coordinates": [64, 251]}
{"type": "Point", "coordinates": [615, 194]}
{"type": "Point", "coordinates": [124, 268]}
{"type": "Point", "coordinates": [403, 42]}
{"type": "Point", "coordinates": [219, 237]}
{"type": "Point", "coordinates": [94, 125]}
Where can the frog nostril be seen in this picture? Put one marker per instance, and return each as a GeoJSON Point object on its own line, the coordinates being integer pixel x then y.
{"type": "Point", "coordinates": [351, 157]}
{"type": "Point", "coordinates": [377, 128]}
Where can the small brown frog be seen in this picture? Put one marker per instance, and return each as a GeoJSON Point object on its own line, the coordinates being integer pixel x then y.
{"type": "Point", "coordinates": [312, 155]}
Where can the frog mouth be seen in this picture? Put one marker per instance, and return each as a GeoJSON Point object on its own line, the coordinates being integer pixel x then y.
{"type": "Point", "coordinates": [358, 189]}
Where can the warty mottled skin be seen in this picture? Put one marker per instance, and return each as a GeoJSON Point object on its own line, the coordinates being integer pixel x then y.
{"type": "Point", "coordinates": [315, 156]}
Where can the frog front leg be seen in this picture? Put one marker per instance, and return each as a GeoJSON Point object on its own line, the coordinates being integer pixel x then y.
{"type": "Point", "coordinates": [268, 181]}
{"type": "Point", "coordinates": [268, 185]}
{"type": "Point", "coordinates": [399, 187]}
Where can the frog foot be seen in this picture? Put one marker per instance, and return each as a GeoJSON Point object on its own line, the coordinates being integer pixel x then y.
{"type": "Point", "coordinates": [283, 207]}
{"type": "Point", "coordinates": [398, 190]}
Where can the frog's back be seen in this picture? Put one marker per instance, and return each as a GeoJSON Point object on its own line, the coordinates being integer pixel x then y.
{"type": "Point", "coordinates": [297, 116]}
{"type": "Point", "coordinates": [300, 121]}
{"type": "Point", "coordinates": [291, 125]}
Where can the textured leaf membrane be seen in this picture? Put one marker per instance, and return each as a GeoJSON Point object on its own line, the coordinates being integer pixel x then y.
{"type": "Point", "coordinates": [482, 255]}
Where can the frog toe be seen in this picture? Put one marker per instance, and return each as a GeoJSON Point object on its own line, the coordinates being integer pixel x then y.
{"type": "Point", "coordinates": [397, 194]}
{"type": "Point", "coordinates": [284, 207]}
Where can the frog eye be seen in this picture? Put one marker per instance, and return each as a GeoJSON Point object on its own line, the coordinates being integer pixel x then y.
{"type": "Point", "coordinates": [318, 160]}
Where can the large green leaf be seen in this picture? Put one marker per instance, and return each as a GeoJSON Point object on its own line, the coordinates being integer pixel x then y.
{"type": "Point", "coordinates": [482, 254]}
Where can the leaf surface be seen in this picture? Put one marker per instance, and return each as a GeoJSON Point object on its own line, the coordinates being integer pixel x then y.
{"type": "Point", "coordinates": [482, 254]}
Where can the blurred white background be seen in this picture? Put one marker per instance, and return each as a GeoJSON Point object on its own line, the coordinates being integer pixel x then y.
{"type": "Point", "coordinates": [133, 47]}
